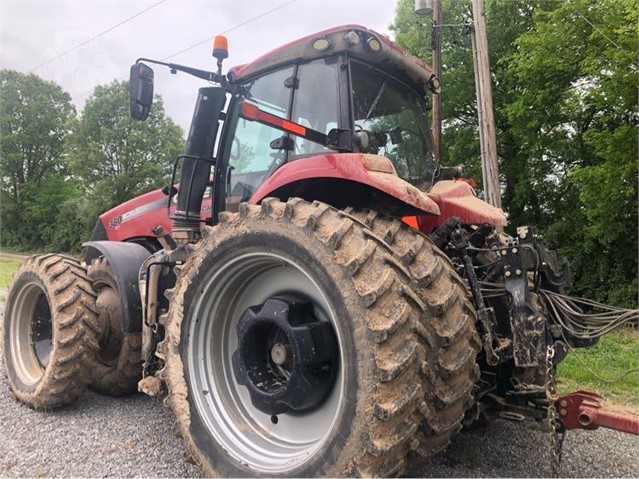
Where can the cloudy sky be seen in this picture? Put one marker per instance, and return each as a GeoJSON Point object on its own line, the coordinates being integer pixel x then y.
{"type": "Point", "coordinates": [34, 33]}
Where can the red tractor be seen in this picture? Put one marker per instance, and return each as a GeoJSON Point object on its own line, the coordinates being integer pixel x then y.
{"type": "Point", "coordinates": [316, 296]}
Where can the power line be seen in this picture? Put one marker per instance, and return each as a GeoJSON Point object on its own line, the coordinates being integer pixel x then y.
{"type": "Point", "coordinates": [257, 17]}
{"type": "Point", "coordinates": [230, 29]}
{"type": "Point", "coordinates": [601, 32]}
{"type": "Point", "coordinates": [97, 36]}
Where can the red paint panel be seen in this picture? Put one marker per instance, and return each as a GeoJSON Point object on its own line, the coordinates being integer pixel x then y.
{"type": "Point", "coordinates": [583, 410]}
{"type": "Point", "coordinates": [283, 51]}
{"type": "Point", "coordinates": [137, 217]}
{"type": "Point", "coordinates": [390, 55]}
{"type": "Point", "coordinates": [348, 166]}
{"type": "Point", "coordinates": [411, 221]}
{"type": "Point", "coordinates": [458, 198]}
{"type": "Point", "coordinates": [293, 127]}
{"type": "Point", "coordinates": [252, 112]}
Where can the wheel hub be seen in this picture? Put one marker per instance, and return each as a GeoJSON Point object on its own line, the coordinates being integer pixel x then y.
{"type": "Point", "coordinates": [41, 330]}
{"type": "Point", "coordinates": [286, 357]}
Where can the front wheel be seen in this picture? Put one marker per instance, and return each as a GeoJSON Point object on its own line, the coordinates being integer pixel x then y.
{"type": "Point", "coordinates": [50, 331]}
{"type": "Point", "coordinates": [274, 361]}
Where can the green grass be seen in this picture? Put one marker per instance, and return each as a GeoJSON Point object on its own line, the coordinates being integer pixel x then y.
{"type": "Point", "coordinates": [7, 268]}
{"type": "Point", "coordinates": [615, 354]}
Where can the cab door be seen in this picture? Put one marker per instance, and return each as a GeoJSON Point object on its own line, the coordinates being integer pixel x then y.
{"type": "Point", "coordinates": [253, 150]}
{"type": "Point", "coordinates": [307, 94]}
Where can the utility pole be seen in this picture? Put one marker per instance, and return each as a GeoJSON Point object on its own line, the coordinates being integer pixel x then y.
{"type": "Point", "coordinates": [487, 138]}
{"type": "Point", "coordinates": [434, 8]}
{"type": "Point", "coordinates": [437, 67]}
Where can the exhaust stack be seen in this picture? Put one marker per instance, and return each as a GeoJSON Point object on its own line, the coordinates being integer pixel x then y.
{"type": "Point", "coordinates": [196, 168]}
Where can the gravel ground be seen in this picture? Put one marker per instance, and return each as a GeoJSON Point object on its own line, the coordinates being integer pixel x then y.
{"type": "Point", "coordinates": [125, 437]}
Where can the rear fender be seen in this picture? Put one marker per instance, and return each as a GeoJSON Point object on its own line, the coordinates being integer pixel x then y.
{"type": "Point", "coordinates": [125, 260]}
{"type": "Point", "coordinates": [356, 174]}
{"type": "Point", "coordinates": [458, 198]}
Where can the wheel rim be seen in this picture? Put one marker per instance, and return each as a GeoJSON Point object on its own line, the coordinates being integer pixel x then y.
{"type": "Point", "coordinates": [31, 333]}
{"type": "Point", "coordinates": [265, 443]}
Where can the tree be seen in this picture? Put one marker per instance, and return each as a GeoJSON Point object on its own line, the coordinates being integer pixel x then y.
{"type": "Point", "coordinates": [564, 84]}
{"type": "Point", "coordinates": [34, 118]}
{"type": "Point", "coordinates": [581, 60]}
{"type": "Point", "coordinates": [460, 136]}
{"type": "Point", "coordinates": [115, 157]}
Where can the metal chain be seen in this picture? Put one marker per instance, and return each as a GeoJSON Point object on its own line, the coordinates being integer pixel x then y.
{"type": "Point", "coordinates": [556, 436]}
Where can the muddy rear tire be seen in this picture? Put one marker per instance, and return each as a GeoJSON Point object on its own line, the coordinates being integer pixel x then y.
{"type": "Point", "coordinates": [50, 331]}
{"type": "Point", "coordinates": [366, 425]}
{"type": "Point", "coordinates": [118, 363]}
{"type": "Point", "coordinates": [447, 328]}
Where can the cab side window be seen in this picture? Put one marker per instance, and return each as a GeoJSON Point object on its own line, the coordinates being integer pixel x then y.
{"type": "Point", "coordinates": [315, 104]}
{"type": "Point", "coordinates": [251, 157]}
{"type": "Point", "coordinates": [306, 94]}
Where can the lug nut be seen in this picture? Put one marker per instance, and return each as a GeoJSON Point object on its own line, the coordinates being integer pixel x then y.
{"type": "Point", "coordinates": [507, 273]}
{"type": "Point", "coordinates": [518, 272]}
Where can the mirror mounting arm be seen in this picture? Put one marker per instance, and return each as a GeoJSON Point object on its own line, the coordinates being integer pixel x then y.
{"type": "Point", "coordinates": [203, 74]}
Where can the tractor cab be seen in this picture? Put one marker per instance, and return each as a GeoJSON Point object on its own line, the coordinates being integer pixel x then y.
{"type": "Point", "coordinates": [347, 101]}
{"type": "Point", "coordinates": [337, 92]}
{"type": "Point", "coordinates": [345, 90]}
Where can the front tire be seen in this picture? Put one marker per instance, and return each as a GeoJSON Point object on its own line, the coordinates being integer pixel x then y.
{"type": "Point", "coordinates": [118, 363]}
{"type": "Point", "coordinates": [50, 331]}
{"type": "Point", "coordinates": [366, 425]}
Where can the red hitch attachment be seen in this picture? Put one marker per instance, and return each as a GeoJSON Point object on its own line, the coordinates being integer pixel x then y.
{"type": "Point", "coordinates": [582, 410]}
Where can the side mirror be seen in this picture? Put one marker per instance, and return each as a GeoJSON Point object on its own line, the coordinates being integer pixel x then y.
{"type": "Point", "coordinates": [340, 139]}
{"type": "Point", "coordinates": [140, 90]}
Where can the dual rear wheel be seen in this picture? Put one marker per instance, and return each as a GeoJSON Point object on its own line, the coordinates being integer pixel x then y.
{"type": "Point", "coordinates": [50, 331]}
{"type": "Point", "coordinates": [117, 367]}
{"type": "Point", "coordinates": [289, 294]}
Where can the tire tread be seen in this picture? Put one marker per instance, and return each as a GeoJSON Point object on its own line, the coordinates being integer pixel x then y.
{"type": "Point", "coordinates": [74, 343]}
{"type": "Point", "coordinates": [382, 283]}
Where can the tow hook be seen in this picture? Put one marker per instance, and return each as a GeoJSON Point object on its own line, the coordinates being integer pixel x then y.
{"type": "Point", "coordinates": [583, 410]}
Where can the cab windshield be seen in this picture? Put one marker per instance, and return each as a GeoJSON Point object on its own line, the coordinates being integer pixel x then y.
{"type": "Point", "coordinates": [395, 119]}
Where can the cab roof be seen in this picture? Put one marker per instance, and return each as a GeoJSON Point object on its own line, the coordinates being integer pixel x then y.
{"type": "Point", "coordinates": [358, 41]}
